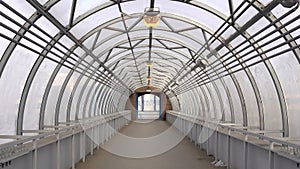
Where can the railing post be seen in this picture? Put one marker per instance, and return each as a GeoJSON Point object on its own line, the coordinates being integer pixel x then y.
{"type": "Point", "coordinates": [245, 155]}
{"type": "Point", "coordinates": [271, 155]}
{"type": "Point", "coordinates": [57, 151]}
{"type": "Point", "coordinates": [73, 148]}
{"type": "Point", "coordinates": [34, 162]}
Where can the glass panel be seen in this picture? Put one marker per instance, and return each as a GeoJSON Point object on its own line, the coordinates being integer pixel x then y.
{"type": "Point", "coordinates": [67, 42]}
{"type": "Point", "coordinates": [224, 97]}
{"type": "Point", "coordinates": [66, 97]}
{"type": "Point", "coordinates": [244, 18]}
{"type": "Point", "coordinates": [3, 45]}
{"type": "Point", "coordinates": [269, 96]}
{"type": "Point", "coordinates": [46, 25]}
{"type": "Point", "coordinates": [250, 99]}
{"type": "Point", "coordinates": [90, 41]}
{"type": "Point", "coordinates": [136, 6]}
{"type": "Point", "coordinates": [61, 11]}
{"type": "Point", "coordinates": [105, 46]}
{"type": "Point", "coordinates": [196, 34]}
{"type": "Point", "coordinates": [210, 109]}
{"type": "Point", "coordinates": [177, 24]}
{"type": "Point", "coordinates": [42, 1]}
{"type": "Point", "coordinates": [210, 20]}
{"type": "Point", "coordinates": [217, 114]}
{"type": "Point", "coordinates": [201, 104]}
{"type": "Point", "coordinates": [76, 97]}
{"type": "Point", "coordinates": [53, 96]}
{"type": "Point", "coordinates": [288, 71]}
{"type": "Point", "coordinates": [45, 37]}
{"type": "Point", "coordinates": [93, 105]}
{"type": "Point", "coordinates": [21, 6]}
{"type": "Point", "coordinates": [35, 95]}
{"type": "Point", "coordinates": [238, 112]}
{"type": "Point", "coordinates": [88, 108]}
{"type": "Point", "coordinates": [228, 32]}
{"type": "Point", "coordinates": [11, 85]}
{"type": "Point", "coordinates": [31, 45]}
{"type": "Point", "coordinates": [188, 40]}
{"type": "Point", "coordinates": [84, 6]}
{"type": "Point", "coordinates": [94, 20]}
{"type": "Point", "coordinates": [81, 102]}
{"type": "Point", "coordinates": [8, 23]}
{"type": "Point", "coordinates": [105, 34]}
{"type": "Point", "coordinates": [222, 6]}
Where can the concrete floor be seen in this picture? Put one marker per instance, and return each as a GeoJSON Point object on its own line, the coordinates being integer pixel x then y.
{"type": "Point", "coordinates": [183, 155]}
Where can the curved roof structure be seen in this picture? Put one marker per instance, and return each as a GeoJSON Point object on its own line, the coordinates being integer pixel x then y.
{"type": "Point", "coordinates": [237, 61]}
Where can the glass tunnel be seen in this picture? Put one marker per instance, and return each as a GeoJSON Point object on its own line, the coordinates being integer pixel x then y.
{"type": "Point", "coordinates": [71, 68]}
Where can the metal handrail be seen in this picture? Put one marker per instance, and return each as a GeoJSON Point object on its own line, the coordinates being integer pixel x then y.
{"type": "Point", "coordinates": [59, 129]}
{"type": "Point", "coordinates": [255, 133]}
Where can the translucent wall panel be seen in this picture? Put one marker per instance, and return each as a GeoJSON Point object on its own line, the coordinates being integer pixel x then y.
{"type": "Point", "coordinates": [67, 42]}
{"type": "Point", "coordinates": [47, 26]}
{"type": "Point", "coordinates": [198, 105]}
{"type": "Point", "coordinates": [188, 11]}
{"type": "Point", "coordinates": [226, 110]}
{"type": "Point", "coordinates": [76, 92]}
{"type": "Point", "coordinates": [11, 86]}
{"type": "Point", "coordinates": [89, 98]}
{"type": "Point", "coordinates": [218, 107]}
{"type": "Point", "coordinates": [249, 13]}
{"type": "Point", "coordinates": [53, 96]}
{"type": "Point", "coordinates": [106, 100]}
{"type": "Point", "coordinates": [42, 1]}
{"type": "Point", "coordinates": [83, 6]}
{"type": "Point", "coordinates": [21, 6]}
{"type": "Point", "coordinates": [82, 100]}
{"type": "Point", "coordinates": [238, 112]}
{"type": "Point", "coordinates": [95, 20]}
{"type": "Point", "coordinates": [11, 25]}
{"type": "Point", "coordinates": [288, 71]}
{"type": "Point", "coordinates": [192, 102]}
{"type": "Point", "coordinates": [105, 46]}
{"type": "Point", "coordinates": [250, 99]}
{"type": "Point", "coordinates": [3, 45]}
{"type": "Point", "coordinates": [61, 11]}
{"type": "Point", "coordinates": [203, 108]}
{"type": "Point", "coordinates": [187, 40]}
{"type": "Point", "coordinates": [35, 95]}
{"type": "Point", "coordinates": [272, 112]}
{"type": "Point", "coordinates": [210, 113]}
{"type": "Point", "coordinates": [100, 99]}
{"type": "Point", "coordinates": [174, 103]}
{"type": "Point", "coordinates": [222, 6]}
{"type": "Point", "coordinates": [95, 100]}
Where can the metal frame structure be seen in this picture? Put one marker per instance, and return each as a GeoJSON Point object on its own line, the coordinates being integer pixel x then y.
{"type": "Point", "coordinates": [105, 63]}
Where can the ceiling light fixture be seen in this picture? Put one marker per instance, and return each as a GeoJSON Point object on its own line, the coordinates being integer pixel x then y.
{"type": "Point", "coordinates": [149, 64]}
{"type": "Point", "coordinates": [148, 78]}
{"type": "Point", "coordinates": [151, 17]}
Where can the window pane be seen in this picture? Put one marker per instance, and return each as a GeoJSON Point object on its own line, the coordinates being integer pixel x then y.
{"type": "Point", "coordinates": [11, 86]}
{"type": "Point", "coordinates": [3, 45]}
{"type": "Point", "coordinates": [53, 96]}
{"type": "Point", "coordinates": [250, 99]}
{"type": "Point", "coordinates": [61, 11]}
{"type": "Point", "coordinates": [269, 96]}
{"type": "Point", "coordinates": [34, 99]}
{"type": "Point", "coordinates": [288, 71]}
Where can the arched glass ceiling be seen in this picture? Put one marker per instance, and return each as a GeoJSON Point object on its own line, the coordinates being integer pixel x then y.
{"type": "Point", "coordinates": [237, 61]}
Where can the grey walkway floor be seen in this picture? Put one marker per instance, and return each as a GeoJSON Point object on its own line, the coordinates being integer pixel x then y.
{"type": "Point", "coordinates": [184, 155]}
